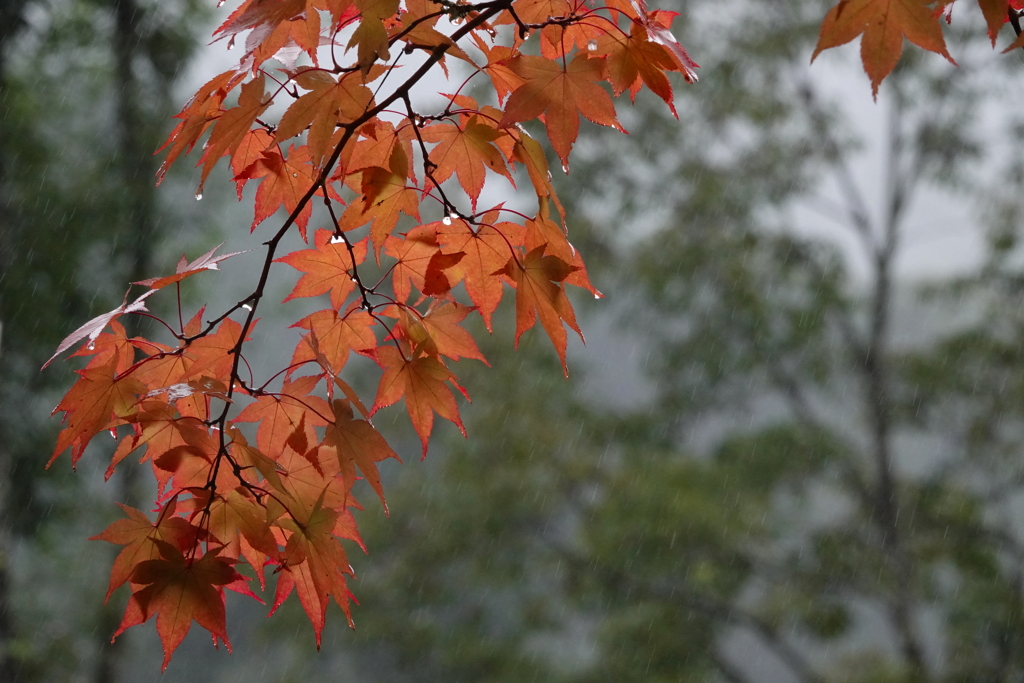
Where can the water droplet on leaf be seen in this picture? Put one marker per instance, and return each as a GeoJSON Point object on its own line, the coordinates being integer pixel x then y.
{"type": "Point", "coordinates": [592, 45]}
{"type": "Point", "coordinates": [447, 220]}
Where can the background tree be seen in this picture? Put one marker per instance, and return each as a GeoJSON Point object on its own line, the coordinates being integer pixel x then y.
{"type": "Point", "coordinates": [77, 78]}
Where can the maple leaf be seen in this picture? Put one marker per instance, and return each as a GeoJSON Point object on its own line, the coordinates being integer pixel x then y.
{"type": "Point", "coordinates": [232, 126]}
{"type": "Point", "coordinates": [503, 79]}
{"type": "Point", "coordinates": [98, 398]}
{"type": "Point", "coordinates": [285, 181]}
{"type": "Point", "coordinates": [438, 333]}
{"type": "Point", "coordinates": [181, 590]}
{"type": "Point", "coordinates": [328, 268]}
{"type": "Point", "coordinates": [995, 12]}
{"type": "Point", "coordinates": [160, 430]}
{"type": "Point", "coordinates": [109, 345]}
{"type": "Point", "coordinates": [486, 251]}
{"type": "Point", "coordinates": [385, 195]}
{"type": "Point", "coordinates": [560, 95]}
{"type": "Point", "coordinates": [357, 444]}
{"type": "Point", "coordinates": [421, 382]}
{"type": "Point", "coordinates": [336, 336]}
{"type": "Point", "coordinates": [884, 24]}
{"type": "Point", "coordinates": [95, 327]}
{"type": "Point", "coordinates": [541, 231]}
{"type": "Point", "coordinates": [320, 573]}
{"type": "Point", "coordinates": [528, 152]}
{"type": "Point", "coordinates": [370, 37]}
{"type": "Point", "coordinates": [418, 23]}
{"type": "Point", "coordinates": [381, 145]}
{"type": "Point", "coordinates": [138, 535]}
{"type": "Point", "coordinates": [249, 151]}
{"type": "Point", "coordinates": [280, 414]}
{"type": "Point", "coordinates": [634, 60]}
{"type": "Point", "coordinates": [240, 524]}
{"type": "Point", "coordinates": [538, 292]}
{"type": "Point", "coordinates": [201, 111]}
{"type": "Point", "coordinates": [211, 355]}
{"type": "Point", "coordinates": [248, 458]}
{"type": "Point", "coordinates": [413, 253]}
{"type": "Point", "coordinates": [466, 150]}
{"type": "Point", "coordinates": [329, 102]}
{"type": "Point", "coordinates": [186, 269]}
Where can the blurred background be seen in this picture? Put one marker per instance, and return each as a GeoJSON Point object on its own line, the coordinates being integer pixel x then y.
{"type": "Point", "coordinates": [792, 450]}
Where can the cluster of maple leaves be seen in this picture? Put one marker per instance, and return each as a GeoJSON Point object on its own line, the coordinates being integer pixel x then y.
{"type": "Point", "coordinates": [351, 139]}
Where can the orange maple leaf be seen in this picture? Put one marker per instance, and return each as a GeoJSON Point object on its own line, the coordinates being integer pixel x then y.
{"type": "Point", "coordinates": [884, 24]}
{"type": "Point", "coordinates": [356, 443]}
{"type": "Point", "coordinates": [370, 36]}
{"type": "Point", "coordinates": [421, 382]}
{"type": "Point", "coordinates": [385, 195]}
{"type": "Point", "coordinates": [159, 429]}
{"type": "Point", "coordinates": [327, 268]}
{"type": "Point", "coordinates": [280, 414]}
{"type": "Point", "coordinates": [486, 250]}
{"type": "Point", "coordinates": [413, 251]}
{"type": "Point", "coordinates": [635, 60]}
{"type": "Point", "coordinates": [232, 125]}
{"type": "Point", "coordinates": [181, 590]}
{"type": "Point", "coordinates": [330, 101]}
{"type": "Point", "coordinates": [139, 535]}
{"type": "Point", "coordinates": [315, 565]}
{"type": "Point", "coordinates": [185, 268]}
{"type": "Point", "coordinates": [99, 398]}
{"type": "Point", "coordinates": [285, 181]}
{"type": "Point", "coordinates": [468, 151]}
{"type": "Point", "coordinates": [538, 291]}
{"type": "Point", "coordinates": [560, 94]}
{"type": "Point", "coordinates": [438, 333]}
{"type": "Point", "coordinates": [336, 336]}
{"type": "Point", "coordinates": [210, 356]}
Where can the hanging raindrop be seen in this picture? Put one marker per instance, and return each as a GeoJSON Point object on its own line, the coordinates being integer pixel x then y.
{"type": "Point", "coordinates": [337, 239]}
{"type": "Point", "coordinates": [199, 195]}
{"type": "Point", "coordinates": [447, 220]}
{"type": "Point", "coordinates": [247, 307]}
